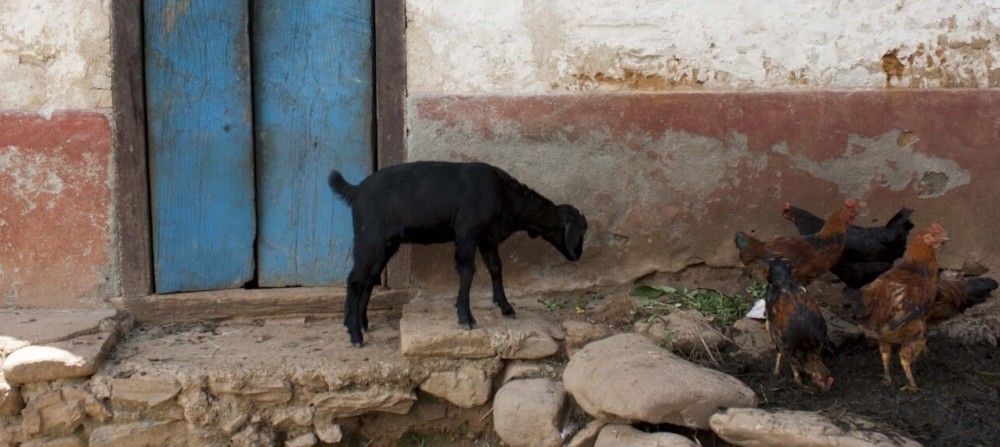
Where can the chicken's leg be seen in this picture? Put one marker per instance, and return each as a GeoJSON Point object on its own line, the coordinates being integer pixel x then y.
{"type": "Point", "coordinates": [885, 349]}
{"type": "Point", "coordinates": [908, 354]}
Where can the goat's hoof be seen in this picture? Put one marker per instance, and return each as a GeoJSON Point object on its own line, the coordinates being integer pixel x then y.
{"type": "Point", "coordinates": [356, 344]}
{"type": "Point", "coordinates": [508, 312]}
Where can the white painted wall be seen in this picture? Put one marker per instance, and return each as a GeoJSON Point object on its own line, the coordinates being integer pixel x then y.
{"type": "Point", "coordinates": [534, 46]}
{"type": "Point", "coordinates": [55, 54]}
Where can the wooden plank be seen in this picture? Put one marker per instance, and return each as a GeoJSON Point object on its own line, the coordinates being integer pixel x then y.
{"type": "Point", "coordinates": [131, 177]}
{"type": "Point", "coordinates": [390, 107]}
{"type": "Point", "coordinates": [201, 143]}
{"type": "Point", "coordinates": [257, 303]}
{"type": "Point", "coordinates": [313, 98]}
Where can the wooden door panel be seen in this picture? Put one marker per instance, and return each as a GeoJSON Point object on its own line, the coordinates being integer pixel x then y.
{"type": "Point", "coordinates": [200, 143]}
{"type": "Point", "coordinates": [312, 76]}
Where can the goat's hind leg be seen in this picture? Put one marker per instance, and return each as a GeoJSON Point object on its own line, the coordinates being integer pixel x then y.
{"type": "Point", "coordinates": [359, 287]}
{"type": "Point", "coordinates": [375, 278]}
{"type": "Point", "coordinates": [465, 262]}
{"type": "Point", "coordinates": [491, 256]}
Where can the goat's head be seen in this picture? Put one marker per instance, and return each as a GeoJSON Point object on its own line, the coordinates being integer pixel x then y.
{"type": "Point", "coordinates": [568, 236]}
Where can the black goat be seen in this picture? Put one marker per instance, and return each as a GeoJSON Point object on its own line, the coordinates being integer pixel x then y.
{"type": "Point", "coordinates": [427, 202]}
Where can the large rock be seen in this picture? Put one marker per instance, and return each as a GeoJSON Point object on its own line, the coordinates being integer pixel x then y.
{"type": "Point", "coordinates": [527, 413]}
{"type": "Point", "coordinates": [756, 427]}
{"type": "Point", "coordinates": [626, 436]}
{"type": "Point", "coordinates": [429, 328]}
{"type": "Point", "coordinates": [466, 387]}
{"type": "Point", "coordinates": [79, 357]}
{"type": "Point", "coordinates": [627, 378]}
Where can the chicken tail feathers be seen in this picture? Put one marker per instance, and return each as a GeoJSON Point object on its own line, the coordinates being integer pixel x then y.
{"type": "Point", "coordinates": [978, 289]}
{"type": "Point", "coordinates": [901, 220]}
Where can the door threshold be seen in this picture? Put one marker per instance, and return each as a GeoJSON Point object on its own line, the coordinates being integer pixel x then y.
{"type": "Point", "coordinates": [251, 303]}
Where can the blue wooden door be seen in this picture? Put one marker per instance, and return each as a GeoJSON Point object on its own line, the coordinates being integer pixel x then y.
{"type": "Point", "coordinates": [201, 143]}
{"type": "Point", "coordinates": [241, 143]}
{"type": "Point", "coordinates": [312, 70]}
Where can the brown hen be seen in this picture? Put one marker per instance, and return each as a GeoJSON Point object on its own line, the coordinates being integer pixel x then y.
{"type": "Point", "coordinates": [894, 308]}
{"type": "Point", "coordinates": [810, 255]}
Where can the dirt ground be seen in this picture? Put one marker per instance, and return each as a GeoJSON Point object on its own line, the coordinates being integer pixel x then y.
{"type": "Point", "coordinates": [959, 401]}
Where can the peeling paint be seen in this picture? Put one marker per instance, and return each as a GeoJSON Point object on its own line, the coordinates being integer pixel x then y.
{"type": "Point", "coordinates": [533, 46]}
{"type": "Point", "coordinates": [29, 176]}
{"type": "Point", "coordinates": [884, 160]}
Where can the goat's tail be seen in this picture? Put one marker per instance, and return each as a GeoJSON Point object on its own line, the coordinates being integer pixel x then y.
{"type": "Point", "coordinates": [345, 190]}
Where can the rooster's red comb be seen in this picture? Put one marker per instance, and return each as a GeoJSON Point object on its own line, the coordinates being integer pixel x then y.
{"type": "Point", "coordinates": [937, 228]}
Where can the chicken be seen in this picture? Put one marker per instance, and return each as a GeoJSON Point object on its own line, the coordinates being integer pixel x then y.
{"type": "Point", "coordinates": [869, 251]}
{"type": "Point", "coordinates": [796, 326]}
{"type": "Point", "coordinates": [956, 295]}
{"type": "Point", "coordinates": [894, 308]}
{"type": "Point", "coordinates": [810, 255]}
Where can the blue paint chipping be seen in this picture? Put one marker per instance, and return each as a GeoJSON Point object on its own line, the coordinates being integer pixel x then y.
{"type": "Point", "coordinates": [201, 143]}
{"type": "Point", "coordinates": [313, 112]}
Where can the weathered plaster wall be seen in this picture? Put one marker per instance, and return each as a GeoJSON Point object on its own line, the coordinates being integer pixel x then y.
{"type": "Point", "coordinates": [57, 243]}
{"type": "Point", "coordinates": [533, 46]}
{"type": "Point", "coordinates": [674, 123]}
{"type": "Point", "coordinates": [55, 55]}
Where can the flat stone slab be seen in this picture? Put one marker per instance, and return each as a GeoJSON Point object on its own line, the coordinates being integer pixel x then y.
{"type": "Point", "coordinates": [36, 327]}
{"type": "Point", "coordinates": [77, 357]}
{"type": "Point", "coordinates": [429, 328]}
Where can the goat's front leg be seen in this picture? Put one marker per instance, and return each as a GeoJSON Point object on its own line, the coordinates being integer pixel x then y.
{"type": "Point", "coordinates": [465, 261]}
{"type": "Point", "coordinates": [491, 256]}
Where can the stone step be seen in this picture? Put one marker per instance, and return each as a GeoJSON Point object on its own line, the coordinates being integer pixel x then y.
{"type": "Point", "coordinates": [429, 328]}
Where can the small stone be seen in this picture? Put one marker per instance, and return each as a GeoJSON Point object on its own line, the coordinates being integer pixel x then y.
{"type": "Point", "coordinates": [626, 436]}
{"type": "Point", "coordinates": [588, 435]}
{"type": "Point", "coordinates": [146, 433]}
{"type": "Point", "coordinates": [147, 391]}
{"type": "Point", "coordinates": [347, 403]}
{"type": "Point", "coordinates": [294, 416]}
{"type": "Point", "coordinates": [528, 412]}
{"type": "Point", "coordinates": [68, 441]}
{"type": "Point", "coordinates": [11, 402]}
{"type": "Point", "coordinates": [466, 387]}
{"type": "Point", "coordinates": [326, 430]}
{"type": "Point", "coordinates": [579, 333]}
{"type": "Point", "coordinates": [305, 440]}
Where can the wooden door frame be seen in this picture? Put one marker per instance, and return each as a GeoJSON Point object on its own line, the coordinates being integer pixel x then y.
{"type": "Point", "coordinates": [131, 192]}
